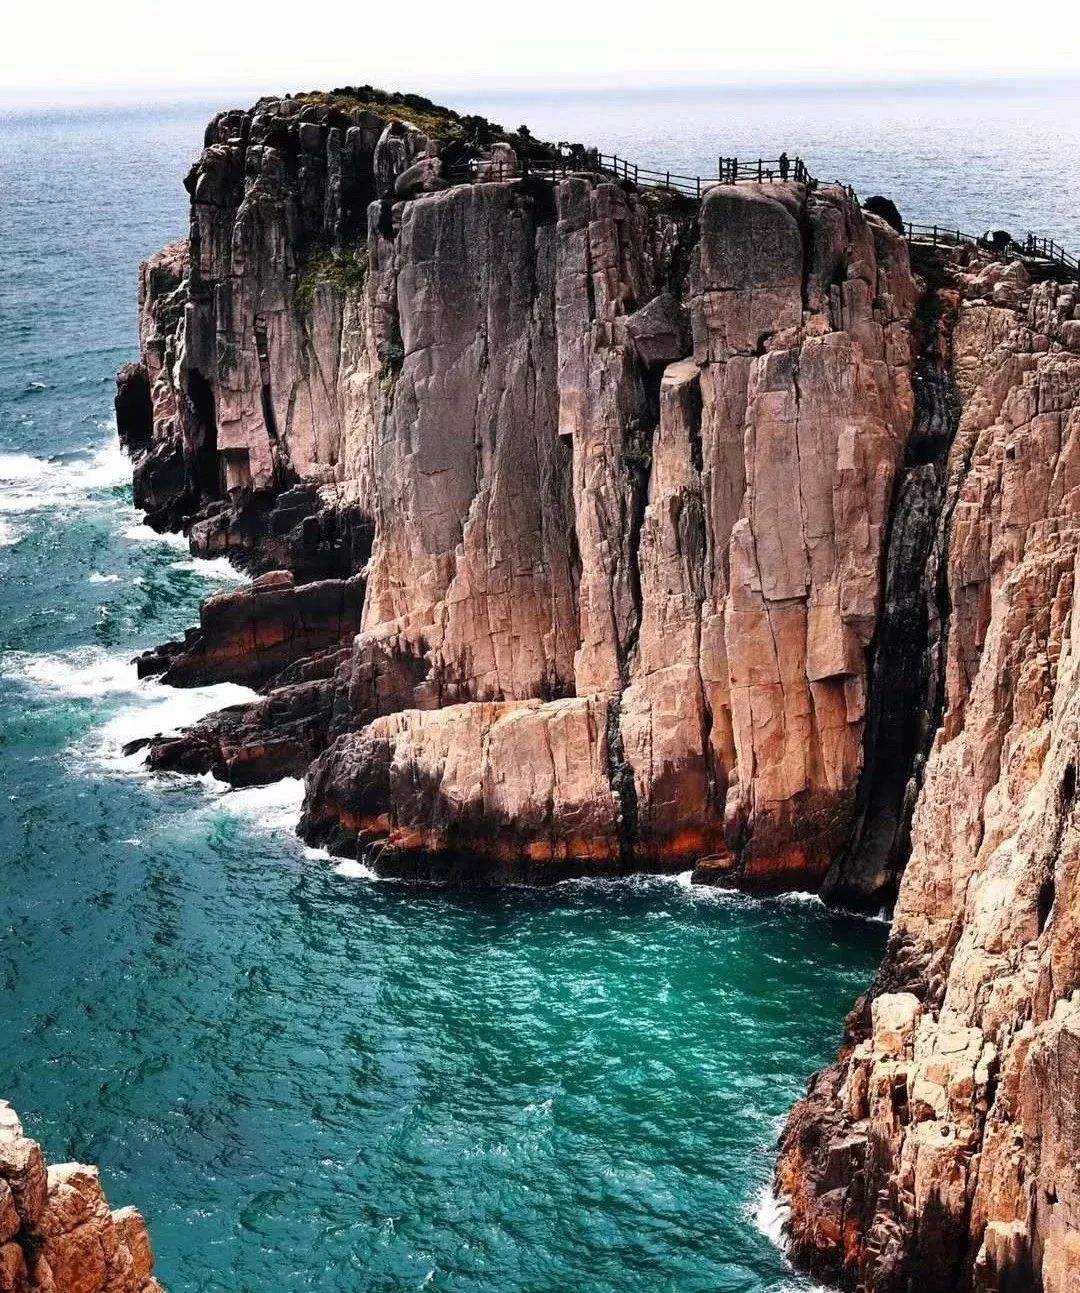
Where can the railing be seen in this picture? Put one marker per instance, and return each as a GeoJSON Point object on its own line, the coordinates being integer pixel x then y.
{"type": "Point", "coordinates": [730, 170]}
{"type": "Point", "coordinates": [1032, 247]}
{"type": "Point", "coordinates": [733, 170]}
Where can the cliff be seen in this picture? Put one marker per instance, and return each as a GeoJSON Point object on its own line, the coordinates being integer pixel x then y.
{"type": "Point", "coordinates": [611, 471]}
{"type": "Point", "coordinates": [57, 1233]}
{"type": "Point", "coordinates": [941, 1151]}
{"type": "Point", "coordinates": [597, 530]}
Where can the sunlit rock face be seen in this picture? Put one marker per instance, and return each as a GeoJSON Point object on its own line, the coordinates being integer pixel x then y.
{"type": "Point", "coordinates": [941, 1151]}
{"type": "Point", "coordinates": [57, 1232]}
{"type": "Point", "coordinates": [580, 443]}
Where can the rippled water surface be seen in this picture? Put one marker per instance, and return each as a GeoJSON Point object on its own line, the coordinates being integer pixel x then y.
{"type": "Point", "coordinates": [306, 1079]}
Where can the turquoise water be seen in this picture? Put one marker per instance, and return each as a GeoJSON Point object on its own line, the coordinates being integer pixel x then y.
{"type": "Point", "coordinates": [306, 1079]}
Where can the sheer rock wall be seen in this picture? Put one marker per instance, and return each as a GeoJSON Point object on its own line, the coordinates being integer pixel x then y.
{"type": "Point", "coordinates": [941, 1150]}
{"type": "Point", "coordinates": [600, 451]}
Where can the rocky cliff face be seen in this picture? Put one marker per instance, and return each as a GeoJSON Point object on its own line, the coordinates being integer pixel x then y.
{"type": "Point", "coordinates": [941, 1152]}
{"type": "Point", "coordinates": [612, 470]}
{"type": "Point", "coordinates": [600, 530]}
{"type": "Point", "coordinates": [57, 1233]}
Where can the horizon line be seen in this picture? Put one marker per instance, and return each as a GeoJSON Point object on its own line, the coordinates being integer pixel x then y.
{"type": "Point", "coordinates": [49, 98]}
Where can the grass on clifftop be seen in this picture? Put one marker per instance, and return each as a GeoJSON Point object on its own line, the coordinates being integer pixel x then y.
{"type": "Point", "coordinates": [471, 132]}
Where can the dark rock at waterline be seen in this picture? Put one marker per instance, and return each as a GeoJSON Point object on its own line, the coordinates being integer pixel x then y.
{"type": "Point", "coordinates": [248, 636]}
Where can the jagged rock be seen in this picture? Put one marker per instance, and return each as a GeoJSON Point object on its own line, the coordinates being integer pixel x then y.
{"type": "Point", "coordinates": [523, 788]}
{"type": "Point", "coordinates": [658, 332]}
{"type": "Point", "coordinates": [960, 1143]}
{"type": "Point", "coordinates": [251, 635]}
{"type": "Point", "coordinates": [396, 154]}
{"type": "Point", "coordinates": [277, 736]}
{"type": "Point", "coordinates": [887, 209]}
{"type": "Point", "coordinates": [57, 1233]}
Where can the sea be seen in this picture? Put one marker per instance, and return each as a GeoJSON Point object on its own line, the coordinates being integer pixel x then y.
{"type": "Point", "coordinates": [307, 1078]}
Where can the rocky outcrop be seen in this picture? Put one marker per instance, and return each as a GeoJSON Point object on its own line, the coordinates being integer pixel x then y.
{"type": "Point", "coordinates": [57, 1232]}
{"type": "Point", "coordinates": [602, 449]}
{"type": "Point", "coordinates": [253, 635]}
{"type": "Point", "coordinates": [941, 1150]}
{"type": "Point", "coordinates": [623, 532]}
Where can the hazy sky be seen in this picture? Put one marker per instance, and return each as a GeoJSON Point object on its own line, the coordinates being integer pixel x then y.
{"type": "Point", "coordinates": [109, 50]}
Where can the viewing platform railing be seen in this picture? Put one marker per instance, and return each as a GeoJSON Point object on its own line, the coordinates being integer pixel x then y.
{"type": "Point", "coordinates": [734, 170]}
{"type": "Point", "coordinates": [1035, 248]}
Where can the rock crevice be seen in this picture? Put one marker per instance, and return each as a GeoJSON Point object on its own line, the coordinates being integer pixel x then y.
{"type": "Point", "coordinates": [579, 444]}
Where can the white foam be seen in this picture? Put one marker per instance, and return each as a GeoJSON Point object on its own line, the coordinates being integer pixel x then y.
{"type": "Point", "coordinates": [348, 867]}
{"type": "Point", "coordinates": [769, 1215]}
{"type": "Point", "coordinates": [140, 532]}
{"type": "Point", "coordinates": [85, 672]}
{"type": "Point", "coordinates": [159, 711]}
{"type": "Point", "coordinates": [9, 534]}
{"type": "Point", "coordinates": [799, 897]}
{"type": "Point", "coordinates": [98, 578]}
{"type": "Point", "coordinates": [29, 484]}
{"type": "Point", "coordinates": [211, 568]}
{"type": "Point", "coordinates": [273, 807]}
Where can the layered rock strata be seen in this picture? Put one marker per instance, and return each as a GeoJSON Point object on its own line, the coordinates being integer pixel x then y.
{"type": "Point", "coordinates": [57, 1232]}
{"type": "Point", "coordinates": [624, 467]}
{"type": "Point", "coordinates": [941, 1151]}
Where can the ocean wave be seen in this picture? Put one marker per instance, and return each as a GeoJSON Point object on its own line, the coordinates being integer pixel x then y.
{"type": "Point", "coordinates": [98, 578]}
{"type": "Point", "coordinates": [140, 532]}
{"type": "Point", "coordinates": [769, 1215]}
{"type": "Point", "coordinates": [348, 867]}
{"type": "Point", "coordinates": [220, 568]}
{"type": "Point", "coordinates": [275, 806]}
{"type": "Point", "coordinates": [30, 484]}
{"type": "Point", "coordinates": [9, 534]}
{"type": "Point", "coordinates": [158, 710]}
{"type": "Point", "coordinates": [87, 672]}
{"type": "Point", "coordinates": [142, 707]}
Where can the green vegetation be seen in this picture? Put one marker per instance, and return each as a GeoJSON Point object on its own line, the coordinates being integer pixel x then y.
{"type": "Point", "coordinates": [467, 133]}
{"type": "Point", "coordinates": [637, 459]}
{"type": "Point", "coordinates": [431, 118]}
{"type": "Point", "coordinates": [392, 364]}
{"type": "Point", "coordinates": [345, 270]}
{"type": "Point", "coordinates": [226, 360]}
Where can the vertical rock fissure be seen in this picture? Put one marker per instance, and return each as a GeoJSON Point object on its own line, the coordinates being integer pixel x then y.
{"type": "Point", "coordinates": [907, 654]}
{"type": "Point", "coordinates": [621, 779]}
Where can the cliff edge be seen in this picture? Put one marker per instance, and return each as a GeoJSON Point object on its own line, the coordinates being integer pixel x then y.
{"type": "Point", "coordinates": [57, 1232]}
{"type": "Point", "coordinates": [941, 1151]}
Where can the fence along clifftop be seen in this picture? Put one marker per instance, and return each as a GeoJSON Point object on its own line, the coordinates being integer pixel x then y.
{"type": "Point", "coordinates": [732, 170]}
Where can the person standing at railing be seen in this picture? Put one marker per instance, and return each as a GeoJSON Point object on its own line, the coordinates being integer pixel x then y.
{"type": "Point", "coordinates": [784, 166]}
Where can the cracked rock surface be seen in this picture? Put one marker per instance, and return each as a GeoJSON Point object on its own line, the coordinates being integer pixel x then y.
{"type": "Point", "coordinates": [940, 1152]}
{"type": "Point", "coordinates": [573, 446]}
{"type": "Point", "coordinates": [57, 1231]}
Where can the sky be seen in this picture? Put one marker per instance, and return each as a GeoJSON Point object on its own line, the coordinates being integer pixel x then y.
{"type": "Point", "coordinates": [106, 51]}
